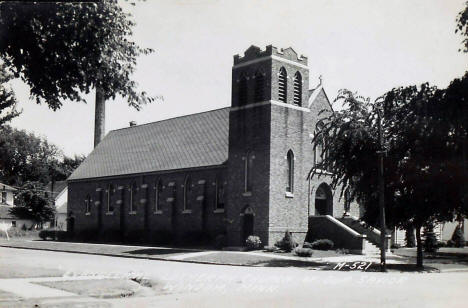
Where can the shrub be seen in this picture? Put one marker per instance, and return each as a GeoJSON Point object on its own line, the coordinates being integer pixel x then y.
{"type": "Point", "coordinates": [303, 252]}
{"type": "Point", "coordinates": [270, 248]}
{"type": "Point", "coordinates": [220, 241]}
{"type": "Point", "coordinates": [323, 244]}
{"type": "Point", "coordinates": [47, 234]}
{"type": "Point", "coordinates": [430, 240]}
{"type": "Point", "coordinates": [343, 251]}
{"type": "Point", "coordinates": [395, 246]}
{"type": "Point", "coordinates": [253, 242]}
{"type": "Point", "coordinates": [450, 243]}
{"type": "Point", "coordinates": [287, 243]}
{"type": "Point", "coordinates": [458, 238]}
{"type": "Point", "coordinates": [307, 245]}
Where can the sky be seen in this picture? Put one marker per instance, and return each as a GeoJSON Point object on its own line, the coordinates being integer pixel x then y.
{"type": "Point", "coordinates": [368, 46]}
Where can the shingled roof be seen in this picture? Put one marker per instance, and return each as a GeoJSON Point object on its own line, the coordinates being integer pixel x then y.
{"type": "Point", "coordinates": [195, 140]}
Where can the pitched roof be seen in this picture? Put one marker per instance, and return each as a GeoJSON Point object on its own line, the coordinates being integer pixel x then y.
{"type": "Point", "coordinates": [59, 186]}
{"type": "Point", "coordinates": [6, 187]}
{"type": "Point", "coordinates": [195, 140]}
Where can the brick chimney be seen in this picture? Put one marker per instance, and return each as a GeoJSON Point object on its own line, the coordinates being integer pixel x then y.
{"type": "Point", "coordinates": [132, 123]}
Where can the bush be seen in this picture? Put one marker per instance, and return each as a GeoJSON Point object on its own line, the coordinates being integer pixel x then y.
{"type": "Point", "coordinates": [287, 243]}
{"type": "Point", "coordinates": [323, 244]}
{"type": "Point", "coordinates": [270, 248]}
{"type": "Point", "coordinates": [303, 252]}
{"type": "Point", "coordinates": [47, 234]}
{"type": "Point", "coordinates": [430, 240]}
{"type": "Point", "coordinates": [253, 242]}
{"type": "Point", "coordinates": [220, 241]}
{"type": "Point", "coordinates": [450, 243]}
{"type": "Point", "coordinates": [307, 245]}
{"type": "Point", "coordinates": [395, 246]}
{"type": "Point", "coordinates": [458, 237]}
{"type": "Point", "coordinates": [342, 251]}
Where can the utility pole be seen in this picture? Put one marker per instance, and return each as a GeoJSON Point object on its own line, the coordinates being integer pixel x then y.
{"type": "Point", "coordinates": [383, 235]}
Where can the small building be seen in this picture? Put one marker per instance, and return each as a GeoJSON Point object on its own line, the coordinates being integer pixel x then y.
{"type": "Point", "coordinates": [58, 194]}
{"type": "Point", "coordinates": [6, 204]}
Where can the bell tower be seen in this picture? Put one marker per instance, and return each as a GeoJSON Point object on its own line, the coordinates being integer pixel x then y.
{"type": "Point", "coordinates": [267, 124]}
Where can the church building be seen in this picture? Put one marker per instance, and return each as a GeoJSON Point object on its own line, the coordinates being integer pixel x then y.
{"type": "Point", "coordinates": [241, 170]}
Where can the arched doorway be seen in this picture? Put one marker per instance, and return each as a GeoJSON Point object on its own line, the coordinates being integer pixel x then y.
{"type": "Point", "coordinates": [247, 221]}
{"type": "Point", "coordinates": [323, 200]}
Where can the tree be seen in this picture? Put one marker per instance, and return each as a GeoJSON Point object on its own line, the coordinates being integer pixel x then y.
{"type": "Point", "coordinates": [7, 98]}
{"type": "Point", "coordinates": [462, 26]}
{"type": "Point", "coordinates": [31, 203]}
{"type": "Point", "coordinates": [425, 129]}
{"type": "Point", "coordinates": [25, 157]}
{"type": "Point", "coordinates": [62, 50]}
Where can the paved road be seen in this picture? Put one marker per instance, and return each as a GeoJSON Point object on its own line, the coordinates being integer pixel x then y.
{"type": "Point", "coordinates": [198, 285]}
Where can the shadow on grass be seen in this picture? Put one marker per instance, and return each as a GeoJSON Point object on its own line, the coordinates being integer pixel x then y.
{"type": "Point", "coordinates": [156, 251]}
{"type": "Point", "coordinates": [289, 263]}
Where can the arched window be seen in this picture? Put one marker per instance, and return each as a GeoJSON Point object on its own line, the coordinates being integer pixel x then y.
{"type": "Point", "coordinates": [242, 90]}
{"type": "Point", "coordinates": [290, 171]}
{"type": "Point", "coordinates": [319, 146]}
{"type": "Point", "coordinates": [248, 163]}
{"type": "Point", "coordinates": [219, 194]}
{"type": "Point", "coordinates": [187, 193]}
{"type": "Point", "coordinates": [157, 196]}
{"type": "Point", "coordinates": [259, 86]}
{"type": "Point", "coordinates": [298, 89]}
{"type": "Point", "coordinates": [88, 204]}
{"type": "Point", "coordinates": [110, 192]}
{"type": "Point", "coordinates": [133, 197]}
{"type": "Point", "coordinates": [282, 85]}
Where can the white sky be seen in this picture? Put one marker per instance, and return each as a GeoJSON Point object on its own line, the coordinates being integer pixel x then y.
{"type": "Point", "coordinates": [369, 46]}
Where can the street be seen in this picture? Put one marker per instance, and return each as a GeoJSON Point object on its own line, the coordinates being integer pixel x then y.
{"type": "Point", "coordinates": [200, 285]}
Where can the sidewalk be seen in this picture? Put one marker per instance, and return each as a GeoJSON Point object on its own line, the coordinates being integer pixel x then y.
{"type": "Point", "coordinates": [235, 258]}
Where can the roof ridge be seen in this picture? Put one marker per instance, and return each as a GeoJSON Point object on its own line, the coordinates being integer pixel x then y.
{"type": "Point", "coordinates": [177, 117]}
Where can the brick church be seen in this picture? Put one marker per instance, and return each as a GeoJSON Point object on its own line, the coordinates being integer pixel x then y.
{"type": "Point", "coordinates": [238, 171]}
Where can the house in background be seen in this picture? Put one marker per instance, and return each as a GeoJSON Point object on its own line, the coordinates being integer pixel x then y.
{"type": "Point", "coordinates": [6, 204]}
{"type": "Point", "coordinates": [58, 195]}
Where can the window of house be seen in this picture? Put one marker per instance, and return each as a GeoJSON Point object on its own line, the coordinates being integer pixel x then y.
{"type": "Point", "coordinates": [187, 193]}
{"type": "Point", "coordinates": [219, 194]}
{"type": "Point", "coordinates": [319, 147]}
{"type": "Point", "coordinates": [242, 90]}
{"type": "Point", "coordinates": [282, 85]}
{"type": "Point", "coordinates": [110, 193]}
{"type": "Point", "coordinates": [88, 204]}
{"type": "Point", "coordinates": [157, 196]}
{"type": "Point", "coordinates": [298, 89]}
{"type": "Point", "coordinates": [259, 86]}
{"type": "Point", "coordinates": [4, 195]}
{"type": "Point", "coordinates": [13, 223]}
{"type": "Point", "coordinates": [290, 171]}
{"type": "Point", "coordinates": [133, 197]}
{"type": "Point", "coordinates": [248, 164]}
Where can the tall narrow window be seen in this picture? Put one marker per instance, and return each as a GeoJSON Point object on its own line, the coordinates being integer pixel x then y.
{"type": "Point", "coordinates": [110, 192]}
{"type": "Point", "coordinates": [319, 146]}
{"type": "Point", "coordinates": [242, 90]}
{"type": "Point", "coordinates": [282, 85]}
{"type": "Point", "coordinates": [259, 87]}
{"type": "Point", "coordinates": [88, 204]}
{"type": "Point", "coordinates": [290, 172]}
{"type": "Point", "coordinates": [133, 197]}
{"type": "Point", "coordinates": [4, 197]}
{"type": "Point", "coordinates": [219, 194]}
{"type": "Point", "coordinates": [298, 89]}
{"type": "Point", "coordinates": [187, 193]}
{"type": "Point", "coordinates": [157, 196]}
{"type": "Point", "coordinates": [248, 163]}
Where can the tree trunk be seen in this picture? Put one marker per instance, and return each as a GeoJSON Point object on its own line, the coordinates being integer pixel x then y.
{"type": "Point", "coordinates": [419, 255]}
{"type": "Point", "coordinates": [99, 117]}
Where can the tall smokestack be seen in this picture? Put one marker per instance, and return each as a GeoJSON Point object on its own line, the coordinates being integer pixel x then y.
{"type": "Point", "coordinates": [99, 117]}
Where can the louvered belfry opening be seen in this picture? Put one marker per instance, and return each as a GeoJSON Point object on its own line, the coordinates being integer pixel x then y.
{"type": "Point", "coordinates": [259, 87]}
{"type": "Point", "coordinates": [243, 91]}
{"type": "Point", "coordinates": [297, 89]}
{"type": "Point", "coordinates": [282, 85]}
